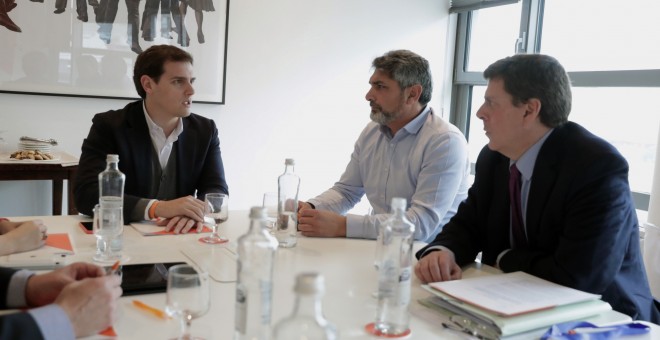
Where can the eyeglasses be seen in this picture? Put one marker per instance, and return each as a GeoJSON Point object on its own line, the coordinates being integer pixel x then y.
{"type": "Point", "coordinates": [463, 324]}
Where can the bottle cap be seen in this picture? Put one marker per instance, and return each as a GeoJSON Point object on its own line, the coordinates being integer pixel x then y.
{"type": "Point", "coordinates": [309, 283]}
{"type": "Point", "coordinates": [258, 212]}
{"type": "Point", "coordinates": [398, 203]}
{"type": "Point", "coordinates": [289, 161]}
{"type": "Point", "coordinates": [112, 158]}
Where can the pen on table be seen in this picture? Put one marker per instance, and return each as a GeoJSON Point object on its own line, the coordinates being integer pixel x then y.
{"type": "Point", "coordinates": [155, 311]}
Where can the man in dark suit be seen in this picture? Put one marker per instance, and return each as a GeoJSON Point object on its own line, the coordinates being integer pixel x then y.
{"type": "Point", "coordinates": [167, 153]}
{"type": "Point", "coordinates": [549, 198]}
{"type": "Point", "coordinates": [73, 301]}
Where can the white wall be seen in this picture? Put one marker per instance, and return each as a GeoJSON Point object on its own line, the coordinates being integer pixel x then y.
{"type": "Point", "coordinates": [296, 79]}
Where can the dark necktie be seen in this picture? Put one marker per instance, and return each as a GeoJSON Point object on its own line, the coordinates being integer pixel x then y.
{"type": "Point", "coordinates": [517, 226]}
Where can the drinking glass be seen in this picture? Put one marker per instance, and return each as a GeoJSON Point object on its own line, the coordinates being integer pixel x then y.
{"type": "Point", "coordinates": [187, 296]}
{"type": "Point", "coordinates": [107, 225]}
{"type": "Point", "coordinates": [270, 203]}
{"type": "Point", "coordinates": [217, 209]}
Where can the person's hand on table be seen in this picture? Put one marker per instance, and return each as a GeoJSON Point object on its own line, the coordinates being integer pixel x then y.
{"type": "Point", "coordinates": [180, 224]}
{"type": "Point", "coordinates": [321, 223]}
{"type": "Point", "coordinates": [22, 236]}
{"type": "Point", "coordinates": [438, 266]}
{"type": "Point", "coordinates": [303, 205]}
{"type": "Point", "coordinates": [187, 206]}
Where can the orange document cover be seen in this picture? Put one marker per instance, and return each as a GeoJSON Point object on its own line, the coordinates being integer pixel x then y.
{"type": "Point", "coordinates": [54, 253]}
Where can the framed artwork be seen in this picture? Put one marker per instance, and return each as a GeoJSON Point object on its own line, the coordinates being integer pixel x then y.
{"type": "Point", "coordinates": [87, 48]}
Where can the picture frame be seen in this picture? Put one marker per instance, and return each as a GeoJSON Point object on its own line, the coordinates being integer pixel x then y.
{"type": "Point", "coordinates": [74, 48]}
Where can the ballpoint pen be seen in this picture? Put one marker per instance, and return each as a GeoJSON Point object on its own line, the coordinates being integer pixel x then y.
{"type": "Point", "coordinates": [114, 268]}
{"type": "Point", "coordinates": [155, 311]}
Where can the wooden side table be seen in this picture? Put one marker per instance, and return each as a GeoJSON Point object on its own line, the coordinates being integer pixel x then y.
{"type": "Point", "coordinates": [44, 171]}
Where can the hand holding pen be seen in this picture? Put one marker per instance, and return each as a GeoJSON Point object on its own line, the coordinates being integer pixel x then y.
{"type": "Point", "coordinates": [84, 292]}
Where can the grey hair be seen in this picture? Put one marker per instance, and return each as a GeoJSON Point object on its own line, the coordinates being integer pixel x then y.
{"type": "Point", "coordinates": [407, 69]}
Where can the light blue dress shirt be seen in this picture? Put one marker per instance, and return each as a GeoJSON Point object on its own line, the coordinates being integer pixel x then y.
{"type": "Point", "coordinates": [426, 163]}
{"type": "Point", "coordinates": [525, 165]}
{"type": "Point", "coordinates": [52, 320]}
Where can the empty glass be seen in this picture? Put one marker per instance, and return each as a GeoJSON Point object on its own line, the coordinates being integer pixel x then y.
{"type": "Point", "coordinates": [270, 203]}
{"type": "Point", "coordinates": [108, 224]}
{"type": "Point", "coordinates": [187, 296]}
{"type": "Point", "coordinates": [217, 210]}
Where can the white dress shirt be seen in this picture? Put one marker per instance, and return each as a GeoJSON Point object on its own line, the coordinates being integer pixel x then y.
{"type": "Point", "coordinates": [162, 144]}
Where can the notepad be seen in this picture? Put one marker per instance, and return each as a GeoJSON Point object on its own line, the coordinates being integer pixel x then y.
{"type": "Point", "coordinates": [149, 228]}
{"type": "Point", "coordinates": [508, 326]}
{"type": "Point", "coordinates": [54, 253]}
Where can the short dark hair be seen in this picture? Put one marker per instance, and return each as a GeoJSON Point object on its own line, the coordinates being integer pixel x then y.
{"type": "Point", "coordinates": [539, 76]}
{"type": "Point", "coordinates": [407, 69]}
{"type": "Point", "coordinates": [151, 63]}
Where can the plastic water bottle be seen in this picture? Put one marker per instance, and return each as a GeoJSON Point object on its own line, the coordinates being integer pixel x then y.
{"type": "Point", "coordinates": [256, 252]}
{"type": "Point", "coordinates": [307, 320]}
{"type": "Point", "coordinates": [288, 185]}
{"type": "Point", "coordinates": [111, 194]}
{"type": "Point", "coordinates": [395, 273]}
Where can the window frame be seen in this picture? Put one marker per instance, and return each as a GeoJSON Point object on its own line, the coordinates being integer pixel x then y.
{"type": "Point", "coordinates": [529, 41]}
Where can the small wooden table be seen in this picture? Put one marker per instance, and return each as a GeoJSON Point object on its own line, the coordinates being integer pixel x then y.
{"type": "Point", "coordinates": [44, 171]}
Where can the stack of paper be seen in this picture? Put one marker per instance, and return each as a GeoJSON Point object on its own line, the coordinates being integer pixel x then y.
{"type": "Point", "coordinates": [150, 228]}
{"type": "Point", "coordinates": [512, 303]}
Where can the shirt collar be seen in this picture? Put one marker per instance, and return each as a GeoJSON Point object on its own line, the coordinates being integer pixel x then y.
{"type": "Point", "coordinates": [526, 162]}
{"type": "Point", "coordinates": [154, 128]}
{"type": "Point", "coordinates": [413, 126]}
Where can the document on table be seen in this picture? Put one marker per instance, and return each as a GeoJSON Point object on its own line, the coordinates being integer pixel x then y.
{"type": "Point", "coordinates": [509, 326]}
{"type": "Point", "coordinates": [53, 254]}
{"type": "Point", "coordinates": [149, 228]}
{"type": "Point", "coordinates": [512, 293]}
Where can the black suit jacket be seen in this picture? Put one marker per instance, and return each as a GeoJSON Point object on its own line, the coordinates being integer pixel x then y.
{"type": "Point", "coordinates": [125, 132]}
{"type": "Point", "coordinates": [18, 325]}
{"type": "Point", "coordinates": [581, 223]}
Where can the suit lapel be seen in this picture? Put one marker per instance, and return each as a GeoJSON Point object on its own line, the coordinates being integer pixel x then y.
{"type": "Point", "coordinates": [141, 145]}
{"type": "Point", "coordinates": [543, 180]}
{"type": "Point", "coordinates": [500, 219]}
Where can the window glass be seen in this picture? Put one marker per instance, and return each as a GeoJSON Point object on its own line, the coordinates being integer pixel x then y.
{"type": "Point", "coordinates": [590, 35]}
{"type": "Point", "coordinates": [493, 35]}
{"type": "Point", "coordinates": [624, 120]}
{"type": "Point", "coordinates": [477, 137]}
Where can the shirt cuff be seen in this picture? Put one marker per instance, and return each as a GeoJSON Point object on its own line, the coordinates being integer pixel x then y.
{"type": "Point", "coordinates": [53, 322]}
{"type": "Point", "coordinates": [16, 289]}
{"type": "Point", "coordinates": [146, 204]}
{"type": "Point", "coordinates": [435, 248]}
{"type": "Point", "coordinates": [499, 257]}
{"type": "Point", "coordinates": [359, 226]}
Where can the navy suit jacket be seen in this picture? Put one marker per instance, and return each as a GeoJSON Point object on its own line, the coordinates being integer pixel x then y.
{"type": "Point", "coordinates": [125, 132]}
{"type": "Point", "coordinates": [18, 325]}
{"type": "Point", "coordinates": [581, 224]}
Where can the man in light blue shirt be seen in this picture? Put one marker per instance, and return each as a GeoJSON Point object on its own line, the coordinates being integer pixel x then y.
{"type": "Point", "coordinates": [407, 151]}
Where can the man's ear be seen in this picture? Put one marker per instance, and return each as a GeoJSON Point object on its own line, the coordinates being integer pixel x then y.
{"type": "Point", "coordinates": [532, 107]}
{"type": "Point", "coordinates": [147, 83]}
{"type": "Point", "coordinates": [414, 92]}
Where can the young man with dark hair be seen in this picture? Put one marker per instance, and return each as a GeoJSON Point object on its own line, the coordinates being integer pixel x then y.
{"type": "Point", "coordinates": [170, 156]}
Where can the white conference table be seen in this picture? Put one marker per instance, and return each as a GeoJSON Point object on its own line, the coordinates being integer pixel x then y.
{"type": "Point", "coordinates": [346, 264]}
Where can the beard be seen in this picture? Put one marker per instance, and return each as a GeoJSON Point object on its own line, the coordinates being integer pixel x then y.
{"type": "Point", "coordinates": [378, 115]}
